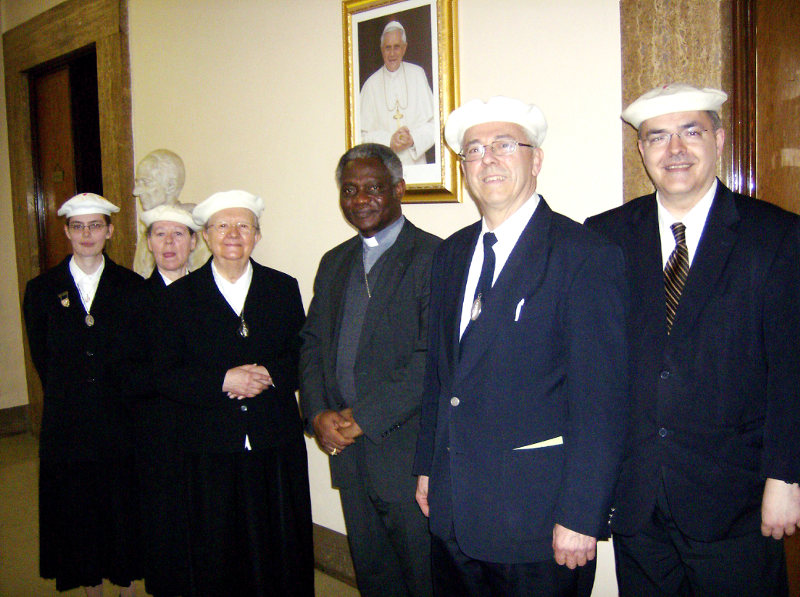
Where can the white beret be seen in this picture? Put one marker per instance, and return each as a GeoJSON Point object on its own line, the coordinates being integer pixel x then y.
{"type": "Point", "coordinates": [497, 109]}
{"type": "Point", "coordinates": [87, 203]}
{"type": "Point", "coordinates": [227, 200]}
{"type": "Point", "coordinates": [169, 213]}
{"type": "Point", "coordinates": [674, 97]}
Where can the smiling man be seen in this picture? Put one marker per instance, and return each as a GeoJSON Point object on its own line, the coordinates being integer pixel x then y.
{"type": "Point", "coordinates": [397, 102]}
{"type": "Point", "coordinates": [709, 480]}
{"type": "Point", "coordinates": [524, 402]}
{"type": "Point", "coordinates": [361, 370]}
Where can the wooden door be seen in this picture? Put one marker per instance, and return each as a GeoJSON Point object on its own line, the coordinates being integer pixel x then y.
{"type": "Point", "coordinates": [66, 134]}
{"type": "Point", "coordinates": [55, 172]}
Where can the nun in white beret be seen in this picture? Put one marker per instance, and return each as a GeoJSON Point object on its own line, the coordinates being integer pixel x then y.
{"type": "Point", "coordinates": [87, 499]}
{"type": "Point", "coordinates": [171, 235]}
{"type": "Point", "coordinates": [229, 354]}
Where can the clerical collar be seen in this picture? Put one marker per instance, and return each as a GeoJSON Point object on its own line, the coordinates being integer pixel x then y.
{"type": "Point", "coordinates": [694, 220]}
{"type": "Point", "coordinates": [376, 245]}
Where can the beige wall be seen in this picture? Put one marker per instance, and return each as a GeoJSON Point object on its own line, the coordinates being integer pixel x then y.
{"type": "Point", "coordinates": [251, 95]}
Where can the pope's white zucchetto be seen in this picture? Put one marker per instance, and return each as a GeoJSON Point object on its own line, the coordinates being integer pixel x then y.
{"type": "Point", "coordinates": [227, 200]}
{"type": "Point", "coordinates": [671, 98]}
{"type": "Point", "coordinates": [169, 213]}
{"type": "Point", "coordinates": [496, 109]}
{"type": "Point", "coordinates": [85, 204]}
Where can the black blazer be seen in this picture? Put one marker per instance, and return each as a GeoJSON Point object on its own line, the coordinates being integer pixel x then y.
{"type": "Point", "coordinates": [85, 416]}
{"type": "Point", "coordinates": [716, 407]}
{"type": "Point", "coordinates": [390, 361]}
{"type": "Point", "coordinates": [199, 341]}
{"type": "Point", "coordinates": [525, 428]}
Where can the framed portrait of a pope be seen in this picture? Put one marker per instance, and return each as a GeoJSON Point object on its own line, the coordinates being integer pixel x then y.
{"type": "Point", "coordinates": [400, 85]}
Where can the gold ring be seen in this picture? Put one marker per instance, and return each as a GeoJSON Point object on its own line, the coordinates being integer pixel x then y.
{"type": "Point", "coordinates": [334, 452]}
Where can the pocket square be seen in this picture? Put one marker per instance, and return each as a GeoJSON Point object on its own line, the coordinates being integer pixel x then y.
{"type": "Point", "coordinates": [553, 441]}
{"type": "Point", "coordinates": [519, 309]}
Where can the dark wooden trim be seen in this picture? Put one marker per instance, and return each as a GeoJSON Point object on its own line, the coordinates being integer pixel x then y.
{"type": "Point", "coordinates": [332, 555]}
{"type": "Point", "coordinates": [742, 172]}
{"type": "Point", "coordinates": [66, 28]}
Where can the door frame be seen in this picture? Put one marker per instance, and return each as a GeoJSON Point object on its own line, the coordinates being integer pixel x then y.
{"type": "Point", "coordinates": [64, 29]}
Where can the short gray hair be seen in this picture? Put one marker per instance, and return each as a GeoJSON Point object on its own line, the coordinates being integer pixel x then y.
{"type": "Point", "coordinates": [367, 151]}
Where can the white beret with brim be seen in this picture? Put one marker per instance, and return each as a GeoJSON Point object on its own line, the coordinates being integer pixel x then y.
{"type": "Point", "coordinates": [227, 200]}
{"type": "Point", "coordinates": [85, 204]}
{"type": "Point", "coordinates": [496, 109]}
{"type": "Point", "coordinates": [671, 98]}
{"type": "Point", "coordinates": [169, 213]}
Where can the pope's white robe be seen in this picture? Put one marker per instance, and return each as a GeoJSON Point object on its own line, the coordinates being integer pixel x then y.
{"type": "Point", "coordinates": [407, 89]}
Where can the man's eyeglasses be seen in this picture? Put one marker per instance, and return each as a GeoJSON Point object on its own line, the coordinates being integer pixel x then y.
{"type": "Point", "coordinates": [475, 152]}
{"type": "Point", "coordinates": [224, 228]}
{"type": "Point", "coordinates": [79, 227]}
{"type": "Point", "coordinates": [690, 136]}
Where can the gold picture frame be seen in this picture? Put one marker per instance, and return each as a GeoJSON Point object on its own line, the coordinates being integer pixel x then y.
{"type": "Point", "coordinates": [432, 50]}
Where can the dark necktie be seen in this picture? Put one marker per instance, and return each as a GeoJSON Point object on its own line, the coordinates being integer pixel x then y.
{"type": "Point", "coordinates": [676, 272]}
{"type": "Point", "coordinates": [487, 269]}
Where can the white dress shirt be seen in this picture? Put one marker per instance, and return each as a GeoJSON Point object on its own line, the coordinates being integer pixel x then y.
{"type": "Point", "coordinates": [694, 221]}
{"type": "Point", "coordinates": [86, 283]}
{"type": "Point", "coordinates": [507, 234]}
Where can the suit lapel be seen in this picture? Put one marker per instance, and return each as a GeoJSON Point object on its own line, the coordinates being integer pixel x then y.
{"type": "Point", "coordinates": [64, 282]}
{"type": "Point", "coordinates": [394, 268]}
{"type": "Point", "coordinates": [341, 278]}
{"type": "Point", "coordinates": [708, 264]}
{"type": "Point", "coordinates": [454, 290]}
{"type": "Point", "coordinates": [645, 272]}
{"type": "Point", "coordinates": [521, 274]}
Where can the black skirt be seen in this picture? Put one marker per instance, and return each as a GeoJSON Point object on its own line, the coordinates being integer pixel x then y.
{"type": "Point", "coordinates": [88, 523]}
{"type": "Point", "coordinates": [250, 523]}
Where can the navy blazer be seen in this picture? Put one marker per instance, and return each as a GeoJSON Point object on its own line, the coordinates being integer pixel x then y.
{"type": "Point", "coordinates": [715, 403]}
{"type": "Point", "coordinates": [545, 363]}
{"type": "Point", "coordinates": [390, 361]}
{"type": "Point", "coordinates": [198, 341]}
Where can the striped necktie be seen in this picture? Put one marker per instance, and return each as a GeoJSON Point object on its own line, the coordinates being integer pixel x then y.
{"type": "Point", "coordinates": [676, 272]}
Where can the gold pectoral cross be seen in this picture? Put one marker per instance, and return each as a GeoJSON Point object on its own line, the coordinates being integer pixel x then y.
{"type": "Point", "coordinates": [397, 116]}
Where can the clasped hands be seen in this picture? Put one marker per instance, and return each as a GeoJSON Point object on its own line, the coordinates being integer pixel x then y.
{"type": "Point", "coordinates": [246, 381]}
{"type": "Point", "coordinates": [335, 430]}
{"type": "Point", "coordinates": [401, 139]}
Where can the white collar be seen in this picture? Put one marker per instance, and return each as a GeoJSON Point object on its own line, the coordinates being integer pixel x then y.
{"type": "Point", "coordinates": [234, 292]}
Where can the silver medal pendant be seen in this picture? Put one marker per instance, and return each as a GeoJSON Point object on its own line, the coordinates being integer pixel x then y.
{"type": "Point", "coordinates": [89, 320]}
{"type": "Point", "coordinates": [476, 308]}
{"type": "Point", "coordinates": [244, 331]}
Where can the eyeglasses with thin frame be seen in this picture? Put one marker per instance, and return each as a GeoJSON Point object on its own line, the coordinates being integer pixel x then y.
{"type": "Point", "coordinates": [224, 228]}
{"type": "Point", "coordinates": [476, 151]}
{"type": "Point", "coordinates": [691, 136]}
{"type": "Point", "coordinates": [79, 227]}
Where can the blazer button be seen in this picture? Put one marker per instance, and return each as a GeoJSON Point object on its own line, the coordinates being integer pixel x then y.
{"type": "Point", "coordinates": [663, 432]}
{"type": "Point", "coordinates": [454, 401]}
{"type": "Point", "coordinates": [664, 374]}
{"type": "Point", "coordinates": [244, 408]}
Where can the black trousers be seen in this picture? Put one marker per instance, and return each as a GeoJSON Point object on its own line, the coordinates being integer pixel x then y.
{"type": "Point", "coordinates": [661, 561]}
{"type": "Point", "coordinates": [389, 543]}
{"type": "Point", "coordinates": [457, 575]}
